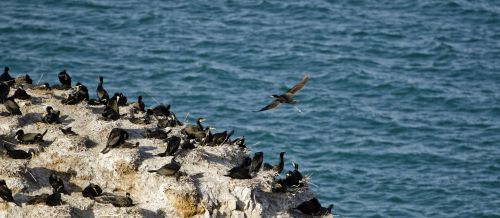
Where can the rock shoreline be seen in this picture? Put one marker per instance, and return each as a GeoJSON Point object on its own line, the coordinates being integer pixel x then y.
{"type": "Point", "coordinates": [203, 192]}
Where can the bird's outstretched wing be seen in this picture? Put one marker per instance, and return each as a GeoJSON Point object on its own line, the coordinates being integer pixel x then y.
{"type": "Point", "coordinates": [299, 85]}
{"type": "Point", "coordinates": [273, 104]}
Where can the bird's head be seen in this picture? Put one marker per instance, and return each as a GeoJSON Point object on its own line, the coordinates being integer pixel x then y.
{"type": "Point", "coordinates": [201, 119]}
{"type": "Point", "coordinates": [6, 70]}
{"type": "Point", "coordinates": [274, 96]}
{"type": "Point", "coordinates": [49, 109]}
{"type": "Point", "coordinates": [19, 132]}
{"type": "Point", "coordinates": [282, 154]}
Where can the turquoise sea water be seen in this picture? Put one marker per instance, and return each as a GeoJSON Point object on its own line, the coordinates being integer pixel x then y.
{"type": "Point", "coordinates": [401, 117]}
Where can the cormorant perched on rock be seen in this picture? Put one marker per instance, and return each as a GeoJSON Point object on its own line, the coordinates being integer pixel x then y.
{"type": "Point", "coordinates": [19, 154]}
{"type": "Point", "coordinates": [157, 133]}
{"type": "Point", "coordinates": [287, 97]}
{"type": "Point", "coordinates": [29, 137]}
{"type": "Point", "coordinates": [57, 183]}
{"type": "Point", "coordinates": [116, 137]}
{"type": "Point", "coordinates": [173, 144]}
{"type": "Point", "coordinates": [195, 131]}
{"type": "Point", "coordinates": [52, 116]}
{"type": "Point", "coordinates": [169, 169]}
{"type": "Point", "coordinates": [218, 138]}
{"type": "Point", "coordinates": [5, 192]}
{"type": "Point", "coordinates": [6, 76]}
{"type": "Point", "coordinates": [170, 121]}
{"type": "Point", "coordinates": [53, 199]}
{"type": "Point", "coordinates": [314, 208]}
{"type": "Point", "coordinates": [188, 144]}
{"type": "Point", "coordinates": [278, 168]}
{"type": "Point", "coordinates": [138, 120]}
{"type": "Point", "coordinates": [12, 107]}
{"type": "Point", "coordinates": [4, 91]}
{"type": "Point", "coordinates": [242, 171]}
{"type": "Point", "coordinates": [64, 79]}
{"type": "Point", "coordinates": [101, 92]}
{"type": "Point", "coordinates": [240, 142]}
{"type": "Point", "coordinates": [139, 105]}
{"type": "Point", "coordinates": [294, 178]}
{"type": "Point", "coordinates": [122, 101]}
{"type": "Point", "coordinates": [26, 79]}
{"type": "Point", "coordinates": [67, 131]}
{"type": "Point", "coordinates": [20, 93]}
{"type": "Point", "coordinates": [115, 200]}
{"type": "Point", "coordinates": [112, 110]}
{"type": "Point", "coordinates": [92, 191]}
{"type": "Point", "coordinates": [160, 110]}
{"type": "Point", "coordinates": [82, 93]}
{"type": "Point", "coordinates": [256, 162]}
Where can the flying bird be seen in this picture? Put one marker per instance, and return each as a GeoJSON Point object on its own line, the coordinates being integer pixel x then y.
{"type": "Point", "coordinates": [287, 97]}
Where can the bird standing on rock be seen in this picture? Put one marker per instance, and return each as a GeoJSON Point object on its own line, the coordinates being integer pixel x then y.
{"type": "Point", "coordinates": [256, 162]}
{"type": "Point", "coordinates": [242, 171]}
{"type": "Point", "coordinates": [57, 184]}
{"type": "Point", "coordinates": [169, 169]}
{"type": "Point", "coordinates": [5, 192]}
{"type": "Point", "coordinates": [12, 107]}
{"type": "Point", "coordinates": [278, 168]}
{"type": "Point", "coordinates": [314, 208]}
{"type": "Point", "coordinates": [29, 138]}
{"type": "Point", "coordinates": [116, 137]}
{"type": "Point", "coordinates": [115, 200]}
{"type": "Point", "coordinates": [102, 94]}
{"type": "Point", "coordinates": [92, 191]}
{"type": "Point", "coordinates": [20, 93]}
{"type": "Point", "coordinates": [52, 116]}
{"type": "Point", "coordinates": [112, 110]}
{"type": "Point", "coordinates": [172, 146]}
{"type": "Point", "coordinates": [6, 76]}
{"type": "Point", "coordinates": [64, 79]}
{"type": "Point", "coordinates": [287, 97]}
{"type": "Point", "coordinates": [19, 154]}
{"type": "Point", "coordinates": [139, 105]}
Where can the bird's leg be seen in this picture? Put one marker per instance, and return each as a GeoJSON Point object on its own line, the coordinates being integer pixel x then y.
{"type": "Point", "coordinates": [297, 108]}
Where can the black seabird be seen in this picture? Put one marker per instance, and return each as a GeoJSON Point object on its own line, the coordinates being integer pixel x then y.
{"type": "Point", "coordinates": [20, 93]}
{"type": "Point", "coordinates": [67, 131]}
{"type": "Point", "coordinates": [195, 131]}
{"type": "Point", "coordinates": [188, 144]}
{"type": "Point", "coordinates": [242, 171]}
{"type": "Point", "coordinates": [169, 169]}
{"type": "Point", "coordinates": [6, 76]}
{"type": "Point", "coordinates": [160, 110]}
{"type": "Point", "coordinates": [116, 137]}
{"type": "Point", "coordinates": [92, 191]}
{"type": "Point", "coordinates": [122, 101]}
{"type": "Point", "coordinates": [29, 138]}
{"type": "Point", "coordinates": [26, 79]}
{"type": "Point", "coordinates": [53, 199]}
{"type": "Point", "coordinates": [4, 91]}
{"type": "Point", "coordinates": [101, 92]}
{"type": "Point", "coordinates": [19, 154]}
{"type": "Point", "coordinates": [115, 200]}
{"type": "Point", "coordinates": [219, 138]}
{"type": "Point", "coordinates": [294, 178]}
{"type": "Point", "coordinates": [52, 116]}
{"type": "Point", "coordinates": [314, 208]}
{"type": "Point", "coordinates": [139, 105]}
{"type": "Point", "coordinates": [138, 120]}
{"type": "Point", "coordinates": [240, 142]}
{"type": "Point", "coordinates": [157, 133]}
{"type": "Point", "coordinates": [256, 162]}
{"type": "Point", "coordinates": [12, 107]}
{"type": "Point", "coordinates": [173, 144]}
{"type": "Point", "coordinates": [82, 93]}
{"type": "Point", "coordinates": [64, 79]}
{"type": "Point", "coordinates": [278, 168]}
{"type": "Point", "coordinates": [112, 110]}
{"type": "Point", "coordinates": [5, 192]}
{"type": "Point", "coordinates": [287, 97]}
{"type": "Point", "coordinates": [57, 184]}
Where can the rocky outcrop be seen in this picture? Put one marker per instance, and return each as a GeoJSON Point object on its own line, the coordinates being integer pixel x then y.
{"type": "Point", "coordinates": [203, 192]}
